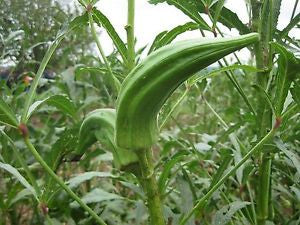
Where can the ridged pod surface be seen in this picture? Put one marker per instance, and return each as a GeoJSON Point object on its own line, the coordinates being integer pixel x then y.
{"type": "Point", "coordinates": [99, 125]}
{"type": "Point", "coordinates": [150, 83]}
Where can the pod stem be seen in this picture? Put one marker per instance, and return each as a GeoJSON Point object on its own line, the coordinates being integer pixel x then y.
{"type": "Point", "coordinates": [60, 182]}
{"type": "Point", "coordinates": [150, 187]}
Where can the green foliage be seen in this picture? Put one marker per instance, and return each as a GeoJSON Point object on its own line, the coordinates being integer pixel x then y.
{"type": "Point", "coordinates": [213, 160]}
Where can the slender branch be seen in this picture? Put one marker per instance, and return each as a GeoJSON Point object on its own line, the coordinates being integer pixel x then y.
{"type": "Point", "coordinates": [130, 34]}
{"type": "Point", "coordinates": [60, 182]}
{"type": "Point", "coordinates": [115, 83]}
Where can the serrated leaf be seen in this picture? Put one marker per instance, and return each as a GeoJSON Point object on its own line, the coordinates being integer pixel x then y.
{"type": "Point", "coordinates": [60, 102]}
{"type": "Point", "coordinates": [102, 20]}
{"type": "Point", "coordinates": [96, 196]}
{"type": "Point", "coordinates": [188, 7]}
{"type": "Point", "coordinates": [80, 178]}
{"type": "Point", "coordinates": [225, 214]}
{"type": "Point", "coordinates": [18, 176]}
{"type": "Point", "coordinates": [7, 116]}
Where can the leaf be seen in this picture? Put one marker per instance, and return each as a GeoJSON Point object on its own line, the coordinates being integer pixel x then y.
{"type": "Point", "coordinates": [218, 10]}
{"type": "Point", "coordinates": [295, 91]}
{"type": "Point", "coordinates": [288, 68]}
{"type": "Point", "coordinates": [80, 178]}
{"type": "Point", "coordinates": [188, 7]}
{"type": "Point", "coordinates": [101, 19]}
{"type": "Point", "coordinates": [21, 195]}
{"type": "Point", "coordinates": [95, 196]}
{"type": "Point", "coordinates": [225, 214]}
{"type": "Point", "coordinates": [291, 155]}
{"type": "Point", "coordinates": [75, 23]}
{"type": "Point", "coordinates": [156, 40]}
{"type": "Point", "coordinates": [163, 179]}
{"type": "Point", "coordinates": [7, 116]}
{"type": "Point", "coordinates": [291, 25]}
{"type": "Point", "coordinates": [61, 102]}
{"type": "Point", "coordinates": [228, 18]}
{"type": "Point", "coordinates": [18, 176]}
{"type": "Point", "coordinates": [172, 34]}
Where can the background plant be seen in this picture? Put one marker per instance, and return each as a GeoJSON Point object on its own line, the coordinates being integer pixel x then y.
{"type": "Point", "coordinates": [207, 126]}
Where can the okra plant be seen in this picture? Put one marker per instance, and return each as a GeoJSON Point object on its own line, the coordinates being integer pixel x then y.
{"type": "Point", "coordinates": [164, 138]}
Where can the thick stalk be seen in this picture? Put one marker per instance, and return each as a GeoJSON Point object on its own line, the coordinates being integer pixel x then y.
{"type": "Point", "coordinates": [150, 187]}
{"type": "Point", "coordinates": [115, 83]}
{"type": "Point", "coordinates": [130, 35]}
{"type": "Point", "coordinates": [262, 23]}
{"type": "Point", "coordinates": [60, 182]}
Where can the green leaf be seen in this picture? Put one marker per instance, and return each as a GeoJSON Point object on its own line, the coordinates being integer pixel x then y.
{"type": "Point", "coordinates": [172, 34]}
{"type": "Point", "coordinates": [80, 178]}
{"type": "Point", "coordinates": [163, 178]}
{"type": "Point", "coordinates": [61, 102]}
{"type": "Point", "coordinates": [225, 214]}
{"type": "Point", "coordinates": [227, 18]}
{"type": "Point", "coordinates": [188, 7]}
{"type": "Point", "coordinates": [95, 196]}
{"type": "Point", "coordinates": [74, 24]}
{"type": "Point", "coordinates": [295, 91]}
{"type": "Point", "coordinates": [102, 20]}
{"type": "Point", "coordinates": [7, 116]}
{"type": "Point", "coordinates": [218, 10]}
{"type": "Point", "coordinates": [290, 26]}
{"type": "Point", "coordinates": [288, 68]}
{"type": "Point", "coordinates": [18, 176]}
{"type": "Point", "coordinates": [265, 97]}
{"type": "Point", "coordinates": [156, 40]}
{"type": "Point", "coordinates": [291, 155]}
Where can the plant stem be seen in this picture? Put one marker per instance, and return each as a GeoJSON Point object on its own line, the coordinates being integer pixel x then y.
{"type": "Point", "coordinates": [115, 83]}
{"type": "Point", "coordinates": [262, 22]}
{"type": "Point", "coordinates": [203, 200]}
{"type": "Point", "coordinates": [60, 182]}
{"type": "Point", "coordinates": [150, 187]}
{"type": "Point", "coordinates": [130, 35]}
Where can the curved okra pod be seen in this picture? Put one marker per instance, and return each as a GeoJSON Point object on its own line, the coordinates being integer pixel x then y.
{"type": "Point", "coordinates": [99, 125]}
{"type": "Point", "coordinates": [150, 83]}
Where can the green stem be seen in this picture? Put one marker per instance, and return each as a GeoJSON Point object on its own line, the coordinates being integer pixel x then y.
{"type": "Point", "coordinates": [204, 199]}
{"type": "Point", "coordinates": [130, 34]}
{"type": "Point", "coordinates": [115, 83]}
{"type": "Point", "coordinates": [60, 182]}
{"type": "Point", "coordinates": [263, 24]}
{"type": "Point", "coordinates": [150, 187]}
{"type": "Point", "coordinates": [264, 190]}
